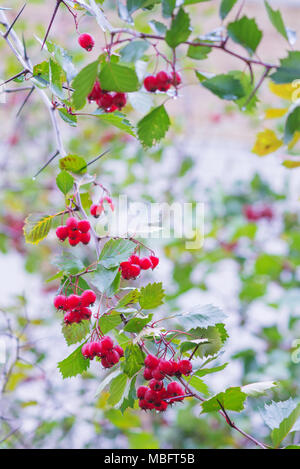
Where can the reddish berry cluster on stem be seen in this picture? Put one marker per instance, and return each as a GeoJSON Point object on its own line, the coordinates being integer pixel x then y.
{"type": "Point", "coordinates": [157, 397]}
{"type": "Point", "coordinates": [257, 213]}
{"type": "Point", "coordinates": [97, 209]}
{"type": "Point", "coordinates": [132, 268]}
{"type": "Point", "coordinates": [76, 306]}
{"type": "Point", "coordinates": [105, 349]}
{"type": "Point", "coordinates": [76, 231]}
{"type": "Point", "coordinates": [86, 41]}
{"type": "Point", "coordinates": [162, 81]}
{"type": "Point", "coordinates": [109, 102]}
{"type": "Point", "coordinates": [159, 368]}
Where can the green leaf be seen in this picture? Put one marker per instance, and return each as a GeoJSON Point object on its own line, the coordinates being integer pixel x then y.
{"type": "Point", "coordinates": [207, 371]}
{"type": "Point", "coordinates": [198, 384]}
{"type": "Point", "coordinates": [246, 33]}
{"type": "Point", "coordinates": [134, 360]}
{"type": "Point", "coordinates": [134, 51]}
{"type": "Point", "coordinates": [68, 263]}
{"type": "Point", "coordinates": [74, 333]}
{"type": "Point", "coordinates": [231, 399]}
{"type": "Point", "coordinates": [274, 413]}
{"type": "Point", "coordinates": [225, 86]}
{"type": "Point", "coordinates": [108, 322]}
{"type": "Point", "coordinates": [115, 251]}
{"type": "Point", "coordinates": [151, 296]}
{"type": "Point", "coordinates": [116, 119]}
{"type": "Point", "coordinates": [74, 364]}
{"type": "Point", "coordinates": [289, 69]}
{"type": "Point", "coordinates": [247, 230]}
{"type": "Point", "coordinates": [257, 389]}
{"type": "Point", "coordinates": [64, 182]}
{"type": "Point", "coordinates": [36, 227]}
{"type": "Point", "coordinates": [158, 27]}
{"type": "Point", "coordinates": [168, 7]}
{"type": "Point", "coordinates": [56, 76]}
{"type": "Point", "coordinates": [131, 297]}
{"type": "Point", "coordinates": [108, 378]}
{"type": "Point", "coordinates": [117, 388]}
{"type": "Point", "coordinates": [268, 264]}
{"type": "Point", "coordinates": [67, 117]}
{"type": "Point", "coordinates": [130, 397]}
{"type": "Point", "coordinates": [114, 77]}
{"type": "Point", "coordinates": [136, 324]}
{"type": "Point", "coordinates": [276, 20]}
{"type": "Point", "coordinates": [292, 124]}
{"type": "Point", "coordinates": [74, 163]}
{"type": "Point", "coordinates": [199, 52]}
{"type": "Point", "coordinates": [286, 425]}
{"type": "Point", "coordinates": [153, 127]}
{"type": "Point", "coordinates": [102, 278]}
{"type": "Point", "coordinates": [226, 7]}
{"type": "Point", "coordinates": [215, 335]}
{"type": "Point", "coordinates": [180, 29]}
{"type": "Point", "coordinates": [83, 84]}
{"type": "Point", "coordinates": [202, 316]}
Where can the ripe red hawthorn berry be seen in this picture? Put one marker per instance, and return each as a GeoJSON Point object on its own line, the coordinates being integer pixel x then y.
{"type": "Point", "coordinates": [85, 312]}
{"type": "Point", "coordinates": [84, 226]}
{"type": "Point", "coordinates": [185, 367]}
{"type": "Point", "coordinates": [119, 350]}
{"type": "Point", "coordinates": [157, 374]}
{"type": "Point", "coordinates": [112, 357]}
{"type": "Point", "coordinates": [145, 263]}
{"type": "Point", "coordinates": [62, 232]}
{"type": "Point", "coordinates": [105, 101]}
{"type": "Point", "coordinates": [151, 361]}
{"type": "Point", "coordinates": [85, 350]}
{"type": "Point", "coordinates": [134, 270]}
{"type": "Point", "coordinates": [96, 92]}
{"type": "Point", "coordinates": [163, 81]}
{"type": "Point", "coordinates": [60, 302]}
{"type": "Point", "coordinates": [155, 385]}
{"type": "Point", "coordinates": [173, 390]}
{"type": "Point", "coordinates": [73, 301]}
{"type": "Point", "coordinates": [74, 234]}
{"type": "Point", "coordinates": [72, 224]}
{"type": "Point", "coordinates": [165, 367]}
{"type": "Point", "coordinates": [105, 363]}
{"type": "Point", "coordinates": [88, 297]}
{"type": "Point", "coordinates": [85, 238]}
{"type": "Point", "coordinates": [150, 396]}
{"type": "Point", "coordinates": [96, 210]}
{"type": "Point", "coordinates": [134, 259]}
{"type": "Point", "coordinates": [150, 83]}
{"type": "Point", "coordinates": [119, 100]}
{"type": "Point", "coordinates": [144, 405]}
{"type": "Point", "coordinates": [161, 407]}
{"type": "Point", "coordinates": [141, 391]}
{"type": "Point", "coordinates": [154, 260]}
{"type": "Point", "coordinates": [147, 374]}
{"type": "Point", "coordinates": [95, 349]}
{"type": "Point", "coordinates": [86, 41]}
{"type": "Point", "coordinates": [107, 344]}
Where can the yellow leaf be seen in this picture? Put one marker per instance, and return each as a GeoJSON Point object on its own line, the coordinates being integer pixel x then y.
{"type": "Point", "coordinates": [266, 142]}
{"type": "Point", "coordinates": [283, 91]}
{"type": "Point", "coordinates": [291, 164]}
{"type": "Point", "coordinates": [275, 113]}
{"type": "Point", "coordinates": [294, 140]}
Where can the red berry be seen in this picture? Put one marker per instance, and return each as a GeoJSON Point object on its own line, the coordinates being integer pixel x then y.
{"type": "Point", "coordinates": [112, 357]}
{"type": "Point", "coordinates": [144, 405]}
{"type": "Point", "coordinates": [162, 406]}
{"type": "Point", "coordinates": [154, 260]}
{"type": "Point", "coordinates": [85, 313]}
{"type": "Point", "coordinates": [112, 108]}
{"type": "Point", "coordinates": [176, 78]}
{"type": "Point", "coordinates": [150, 396]}
{"type": "Point", "coordinates": [86, 41]}
{"type": "Point", "coordinates": [95, 93]}
{"type": "Point", "coordinates": [147, 374]}
{"type": "Point", "coordinates": [134, 259]}
{"type": "Point", "coordinates": [88, 298]}
{"type": "Point", "coordinates": [150, 83]}
{"type": "Point", "coordinates": [151, 361]}
{"type": "Point", "coordinates": [73, 242]}
{"type": "Point", "coordinates": [157, 374]}
{"type": "Point", "coordinates": [134, 270]}
{"type": "Point", "coordinates": [166, 367]}
{"type": "Point", "coordinates": [145, 263]}
{"type": "Point", "coordinates": [85, 350]}
{"type": "Point", "coordinates": [105, 363]}
{"type": "Point", "coordinates": [85, 237]}
{"type": "Point", "coordinates": [185, 367]}
{"type": "Point", "coordinates": [72, 224]}
{"type": "Point", "coordinates": [62, 232]}
{"type": "Point", "coordinates": [95, 349]}
{"type": "Point", "coordinates": [119, 350]}
{"type": "Point", "coordinates": [96, 210]}
{"type": "Point", "coordinates": [175, 369]}
{"type": "Point", "coordinates": [60, 302]}
{"type": "Point", "coordinates": [141, 392]}
{"type": "Point", "coordinates": [163, 81]}
{"type": "Point", "coordinates": [174, 389]}
{"type": "Point", "coordinates": [119, 100]}
{"type": "Point", "coordinates": [68, 318]}
{"type": "Point", "coordinates": [107, 343]}
{"type": "Point", "coordinates": [105, 100]}
{"type": "Point", "coordinates": [155, 385]}
{"type": "Point", "coordinates": [84, 226]}
{"type": "Point", "coordinates": [73, 301]}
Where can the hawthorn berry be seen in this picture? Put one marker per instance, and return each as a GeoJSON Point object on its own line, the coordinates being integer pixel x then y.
{"type": "Point", "coordinates": [145, 263]}
{"type": "Point", "coordinates": [157, 374]}
{"type": "Point", "coordinates": [119, 350]}
{"type": "Point", "coordinates": [175, 79]}
{"type": "Point", "coordinates": [73, 301]}
{"type": "Point", "coordinates": [161, 406]}
{"type": "Point", "coordinates": [134, 270]}
{"type": "Point", "coordinates": [134, 259]}
{"type": "Point", "coordinates": [163, 81]}
{"type": "Point", "coordinates": [119, 100]}
{"type": "Point", "coordinates": [85, 238]}
{"type": "Point", "coordinates": [150, 83]}
{"type": "Point", "coordinates": [62, 232]}
{"type": "Point", "coordinates": [147, 374]}
{"type": "Point", "coordinates": [185, 367]}
{"type": "Point", "coordinates": [72, 223]}
{"type": "Point", "coordinates": [155, 385]}
{"type": "Point", "coordinates": [84, 226]}
{"type": "Point", "coordinates": [141, 391]}
{"type": "Point", "coordinates": [96, 210]}
{"type": "Point", "coordinates": [85, 312]}
{"type": "Point", "coordinates": [88, 297]}
{"type": "Point", "coordinates": [60, 302]}
{"type": "Point", "coordinates": [86, 41]}
{"type": "Point", "coordinates": [165, 367]}
{"type": "Point", "coordinates": [151, 361]}
{"type": "Point", "coordinates": [173, 390]}
{"type": "Point", "coordinates": [112, 357]}
{"type": "Point", "coordinates": [96, 92]}
{"type": "Point", "coordinates": [107, 344]}
{"type": "Point", "coordinates": [154, 260]}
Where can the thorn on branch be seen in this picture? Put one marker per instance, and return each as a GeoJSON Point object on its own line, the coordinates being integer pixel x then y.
{"type": "Point", "coordinates": [58, 2]}
{"type": "Point", "coordinates": [5, 35]}
{"type": "Point", "coordinates": [24, 72]}
{"type": "Point", "coordinates": [46, 164]}
{"type": "Point", "coordinates": [25, 101]}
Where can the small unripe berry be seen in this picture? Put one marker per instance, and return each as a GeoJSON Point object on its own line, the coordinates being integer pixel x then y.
{"type": "Point", "coordinates": [84, 226]}
{"type": "Point", "coordinates": [150, 83]}
{"type": "Point", "coordinates": [86, 41]}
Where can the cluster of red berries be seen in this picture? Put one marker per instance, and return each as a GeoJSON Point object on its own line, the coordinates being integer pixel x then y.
{"type": "Point", "coordinates": [159, 368]}
{"type": "Point", "coordinates": [76, 231]}
{"type": "Point", "coordinates": [132, 267]}
{"type": "Point", "coordinates": [109, 102]}
{"type": "Point", "coordinates": [162, 81]}
{"type": "Point", "coordinates": [86, 41]}
{"type": "Point", "coordinates": [76, 306]}
{"type": "Point", "coordinates": [157, 397]}
{"type": "Point", "coordinates": [97, 209]}
{"type": "Point", "coordinates": [105, 349]}
{"type": "Point", "coordinates": [257, 213]}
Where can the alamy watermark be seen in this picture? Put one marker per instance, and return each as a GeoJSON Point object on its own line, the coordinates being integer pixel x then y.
{"type": "Point", "coordinates": [181, 220]}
